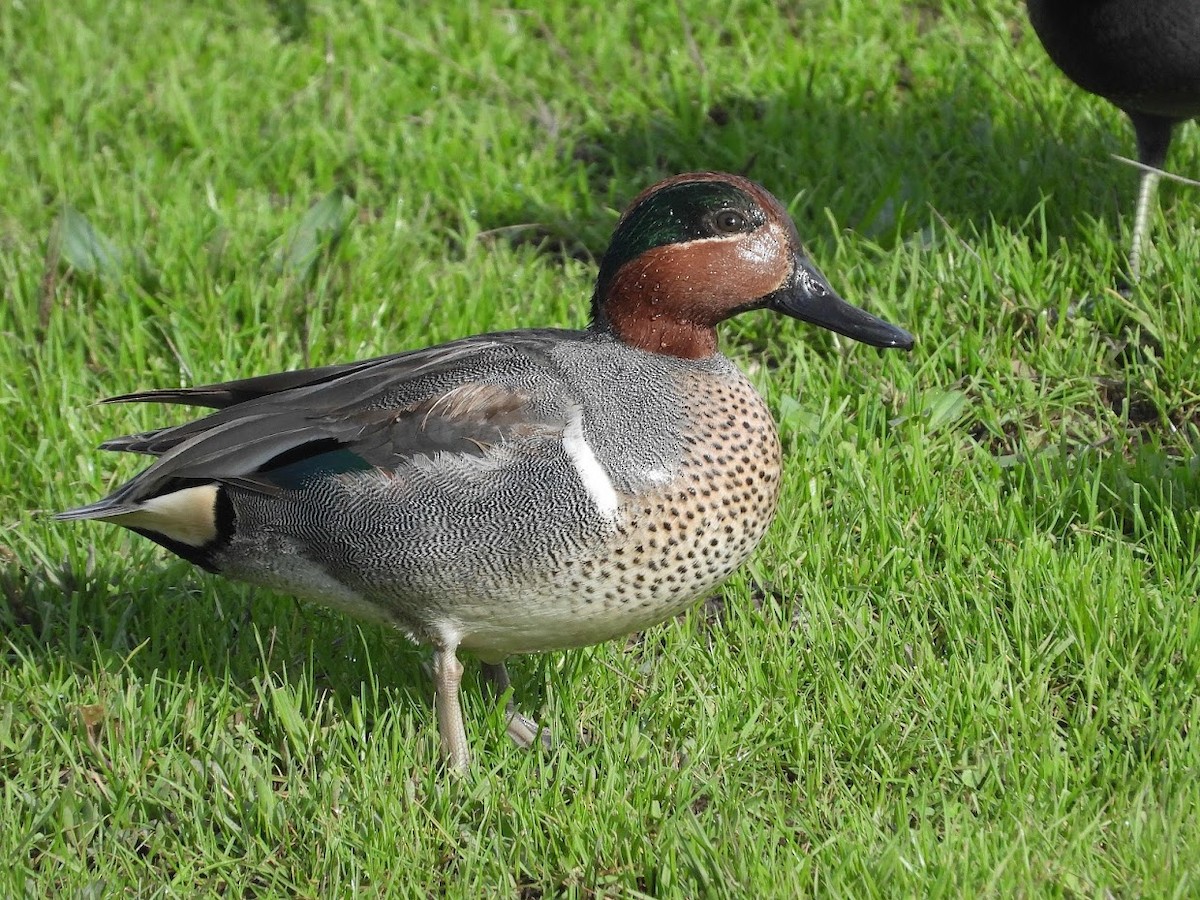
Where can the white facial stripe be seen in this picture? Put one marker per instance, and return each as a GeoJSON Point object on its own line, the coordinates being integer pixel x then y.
{"type": "Point", "coordinates": [595, 480]}
{"type": "Point", "coordinates": [188, 516]}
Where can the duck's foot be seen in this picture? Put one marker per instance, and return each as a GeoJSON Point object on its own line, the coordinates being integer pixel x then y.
{"type": "Point", "coordinates": [522, 729]}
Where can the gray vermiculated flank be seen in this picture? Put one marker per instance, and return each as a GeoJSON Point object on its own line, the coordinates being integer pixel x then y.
{"type": "Point", "coordinates": [507, 549]}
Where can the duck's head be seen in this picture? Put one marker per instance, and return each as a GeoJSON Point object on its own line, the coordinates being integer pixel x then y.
{"type": "Point", "coordinates": [699, 248]}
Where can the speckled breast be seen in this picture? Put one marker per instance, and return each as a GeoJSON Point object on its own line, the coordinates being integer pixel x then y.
{"type": "Point", "coordinates": [674, 541]}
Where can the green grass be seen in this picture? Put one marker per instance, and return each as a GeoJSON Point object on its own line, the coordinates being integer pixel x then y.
{"type": "Point", "coordinates": [965, 660]}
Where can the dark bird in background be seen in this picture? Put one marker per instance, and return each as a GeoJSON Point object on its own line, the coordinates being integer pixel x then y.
{"type": "Point", "coordinates": [1143, 56]}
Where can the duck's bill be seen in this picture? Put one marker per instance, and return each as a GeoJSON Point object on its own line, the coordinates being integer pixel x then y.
{"type": "Point", "coordinates": [807, 296]}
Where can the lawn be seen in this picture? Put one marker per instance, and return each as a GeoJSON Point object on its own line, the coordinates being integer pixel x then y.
{"type": "Point", "coordinates": [964, 661]}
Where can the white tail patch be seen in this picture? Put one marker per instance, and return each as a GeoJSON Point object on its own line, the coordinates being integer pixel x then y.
{"type": "Point", "coordinates": [595, 480]}
{"type": "Point", "coordinates": [188, 516]}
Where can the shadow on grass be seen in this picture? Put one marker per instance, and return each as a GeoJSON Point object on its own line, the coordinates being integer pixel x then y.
{"type": "Point", "coordinates": [164, 621]}
{"type": "Point", "coordinates": [886, 175]}
{"type": "Point", "coordinates": [1141, 491]}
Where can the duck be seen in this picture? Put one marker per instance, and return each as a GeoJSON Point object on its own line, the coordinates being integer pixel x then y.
{"type": "Point", "coordinates": [1143, 56]}
{"type": "Point", "coordinates": [514, 492]}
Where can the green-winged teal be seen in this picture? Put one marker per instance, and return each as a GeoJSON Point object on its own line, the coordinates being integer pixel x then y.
{"type": "Point", "coordinates": [1143, 56]}
{"type": "Point", "coordinates": [512, 492]}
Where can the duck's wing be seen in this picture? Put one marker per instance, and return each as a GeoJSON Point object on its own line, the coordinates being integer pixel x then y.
{"type": "Point", "coordinates": [316, 390]}
{"type": "Point", "coordinates": [231, 393]}
{"type": "Point", "coordinates": [273, 432]}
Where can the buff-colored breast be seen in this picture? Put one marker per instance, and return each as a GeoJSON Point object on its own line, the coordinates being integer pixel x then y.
{"type": "Point", "coordinates": [673, 542]}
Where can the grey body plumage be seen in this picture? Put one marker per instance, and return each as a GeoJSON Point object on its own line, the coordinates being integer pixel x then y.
{"type": "Point", "coordinates": [400, 490]}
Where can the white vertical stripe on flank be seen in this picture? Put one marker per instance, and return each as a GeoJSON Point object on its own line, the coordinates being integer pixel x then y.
{"type": "Point", "coordinates": [595, 480]}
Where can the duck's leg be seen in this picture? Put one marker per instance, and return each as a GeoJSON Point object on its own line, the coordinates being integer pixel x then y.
{"type": "Point", "coordinates": [1153, 140]}
{"type": "Point", "coordinates": [447, 675]}
{"type": "Point", "coordinates": [521, 729]}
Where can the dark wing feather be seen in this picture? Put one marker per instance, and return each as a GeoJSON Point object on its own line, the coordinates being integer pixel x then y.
{"type": "Point", "coordinates": [231, 393]}
{"type": "Point", "coordinates": [460, 397]}
{"type": "Point", "coordinates": [322, 389]}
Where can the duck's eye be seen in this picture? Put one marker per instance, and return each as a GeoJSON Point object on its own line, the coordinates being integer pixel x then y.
{"type": "Point", "coordinates": [728, 221]}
